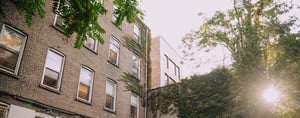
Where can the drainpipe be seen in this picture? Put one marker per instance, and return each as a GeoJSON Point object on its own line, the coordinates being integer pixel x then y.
{"type": "Point", "coordinates": [146, 90]}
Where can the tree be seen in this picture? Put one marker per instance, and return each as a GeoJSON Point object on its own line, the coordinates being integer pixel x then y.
{"type": "Point", "coordinates": [80, 16]}
{"type": "Point", "coordinates": [263, 47]}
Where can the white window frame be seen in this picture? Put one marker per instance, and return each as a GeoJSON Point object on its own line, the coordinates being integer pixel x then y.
{"type": "Point", "coordinates": [55, 21]}
{"type": "Point", "coordinates": [61, 71]}
{"type": "Point", "coordinates": [95, 44]}
{"type": "Point", "coordinates": [115, 95]}
{"type": "Point", "coordinates": [91, 86]}
{"type": "Point", "coordinates": [6, 107]}
{"type": "Point", "coordinates": [56, 17]}
{"type": "Point", "coordinates": [16, 70]}
{"type": "Point", "coordinates": [137, 104]}
{"type": "Point", "coordinates": [137, 32]}
{"type": "Point", "coordinates": [139, 65]}
{"type": "Point", "coordinates": [114, 39]}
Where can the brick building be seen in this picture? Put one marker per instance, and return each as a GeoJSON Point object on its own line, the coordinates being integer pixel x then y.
{"type": "Point", "coordinates": [43, 76]}
{"type": "Point", "coordinates": [166, 67]}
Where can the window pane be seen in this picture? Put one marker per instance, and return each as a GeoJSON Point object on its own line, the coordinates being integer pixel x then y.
{"type": "Point", "coordinates": [109, 102]}
{"type": "Point", "coordinates": [114, 50]}
{"type": "Point", "coordinates": [11, 39]}
{"type": "Point", "coordinates": [3, 110]}
{"type": "Point", "coordinates": [51, 78]}
{"type": "Point", "coordinates": [114, 18]}
{"type": "Point", "coordinates": [91, 44]}
{"type": "Point", "coordinates": [133, 111]}
{"type": "Point", "coordinates": [136, 61]}
{"type": "Point", "coordinates": [8, 59]}
{"type": "Point", "coordinates": [54, 61]}
{"type": "Point", "coordinates": [135, 72]}
{"type": "Point", "coordinates": [133, 100]}
{"type": "Point", "coordinates": [114, 42]}
{"type": "Point", "coordinates": [83, 91]}
{"type": "Point", "coordinates": [110, 88]}
{"type": "Point", "coordinates": [136, 29]}
{"type": "Point", "coordinates": [113, 56]}
{"type": "Point", "coordinates": [86, 77]}
{"type": "Point", "coordinates": [59, 21]}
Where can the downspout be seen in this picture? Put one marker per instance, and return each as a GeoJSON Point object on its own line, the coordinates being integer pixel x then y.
{"type": "Point", "coordinates": [146, 75]}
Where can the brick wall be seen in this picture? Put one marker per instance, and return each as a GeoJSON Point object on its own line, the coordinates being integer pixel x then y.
{"type": "Point", "coordinates": [41, 36]}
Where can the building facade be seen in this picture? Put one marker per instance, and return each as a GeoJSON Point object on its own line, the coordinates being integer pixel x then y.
{"type": "Point", "coordinates": [43, 76]}
{"type": "Point", "coordinates": [166, 67]}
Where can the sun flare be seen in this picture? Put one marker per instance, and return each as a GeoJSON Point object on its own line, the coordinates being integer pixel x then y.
{"type": "Point", "coordinates": [271, 95]}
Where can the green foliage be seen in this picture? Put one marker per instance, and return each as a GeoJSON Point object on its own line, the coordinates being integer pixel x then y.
{"type": "Point", "coordinates": [133, 84]}
{"type": "Point", "coordinates": [149, 66]}
{"type": "Point", "coordinates": [142, 48]}
{"type": "Point", "coordinates": [139, 47]}
{"type": "Point", "coordinates": [80, 16]}
{"type": "Point", "coordinates": [206, 96]}
{"type": "Point", "coordinates": [29, 8]}
{"type": "Point", "coordinates": [126, 9]}
{"type": "Point", "coordinates": [265, 50]}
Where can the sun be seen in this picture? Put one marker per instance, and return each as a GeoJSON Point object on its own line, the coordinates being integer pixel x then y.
{"type": "Point", "coordinates": [271, 95]}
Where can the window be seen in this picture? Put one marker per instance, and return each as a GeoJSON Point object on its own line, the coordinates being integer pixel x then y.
{"type": "Point", "coordinates": [114, 48]}
{"type": "Point", "coordinates": [134, 106]}
{"type": "Point", "coordinates": [167, 61]}
{"type": "Point", "coordinates": [137, 33]}
{"type": "Point", "coordinates": [172, 67]}
{"type": "Point", "coordinates": [110, 98]}
{"type": "Point", "coordinates": [91, 44]}
{"type": "Point", "coordinates": [167, 80]}
{"type": "Point", "coordinates": [3, 110]}
{"type": "Point", "coordinates": [53, 69]}
{"type": "Point", "coordinates": [136, 65]}
{"type": "Point", "coordinates": [12, 44]}
{"type": "Point", "coordinates": [58, 22]}
{"type": "Point", "coordinates": [114, 17]}
{"type": "Point", "coordinates": [85, 84]}
{"type": "Point", "coordinates": [178, 72]}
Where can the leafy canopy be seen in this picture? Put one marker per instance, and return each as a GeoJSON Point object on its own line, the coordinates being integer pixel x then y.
{"type": "Point", "coordinates": [264, 43]}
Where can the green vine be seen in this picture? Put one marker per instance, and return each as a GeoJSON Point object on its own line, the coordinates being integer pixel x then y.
{"type": "Point", "coordinates": [141, 48]}
{"type": "Point", "coordinates": [133, 84]}
{"type": "Point", "coordinates": [201, 96]}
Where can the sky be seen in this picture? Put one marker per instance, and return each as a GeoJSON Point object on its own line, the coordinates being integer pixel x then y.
{"type": "Point", "coordinates": [172, 19]}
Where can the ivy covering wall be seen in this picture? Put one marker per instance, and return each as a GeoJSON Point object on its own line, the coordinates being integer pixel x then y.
{"type": "Point", "coordinates": [206, 96]}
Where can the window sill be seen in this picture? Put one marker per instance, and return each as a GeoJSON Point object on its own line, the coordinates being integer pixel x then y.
{"type": "Point", "coordinates": [109, 110]}
{"type": "Point", "coordinates": [93, 51]}
{"type": "Point", "coordinates": [58, 29]}
{"type": "Point", "coordinates": [112, 63]}
{"type": "Point", "coordinates": [83, 101]}
{"type": "Point", "coordinates": [9, 74]}
{"type": "Point", "coordinates": [49, 89]}
{"type": "Point", "coordinates": [120, 28]}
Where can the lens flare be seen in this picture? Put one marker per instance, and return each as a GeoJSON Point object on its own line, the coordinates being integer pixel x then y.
{"type": "Point", "coordinates": [271, 95]}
